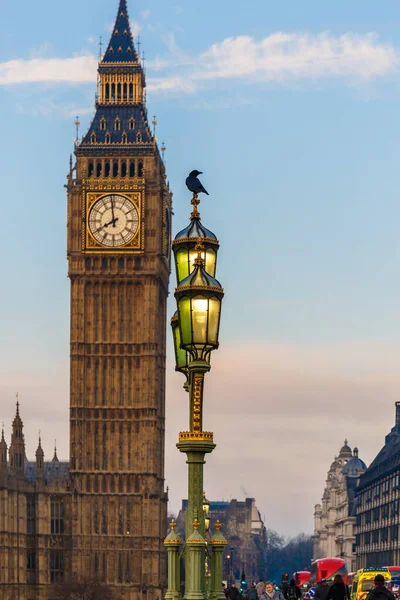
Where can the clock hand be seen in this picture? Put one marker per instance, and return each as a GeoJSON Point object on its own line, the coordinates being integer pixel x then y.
{"type": "Point", "coordinates": [112, 211]}
{"type": "Point", "coordinates": [112, 222]}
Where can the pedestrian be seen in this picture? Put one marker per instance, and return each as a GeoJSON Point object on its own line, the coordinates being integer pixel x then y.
{"type": "Point", "coordinates": [293, 591]}
{"type": "Point", "coordinates": [322, 591]}
{"type": "Point", "coordinates": [260, 587]}
{"type": "Point", "coordinates": [252, 595]}
{"type": "Point", "coordinates": [338, 590]}
{"type": "Point", "coordinates": [380, 592]}
{"type": "Point", "coordinates": [270, 593]}
{"type": "Point", "coordinates": [233, 593]}
{"type": "Point", "coordinates": [284, 586]}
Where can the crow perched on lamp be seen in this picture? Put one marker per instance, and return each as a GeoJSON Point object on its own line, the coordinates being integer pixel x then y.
{"type": "Point", "coordinates": [194, 184]}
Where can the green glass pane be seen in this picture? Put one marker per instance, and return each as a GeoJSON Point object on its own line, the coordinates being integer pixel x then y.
{"type": "Point", "coordinates": [182, 264]}
{"type": "Point", "coordinates": [199, 319]}
{"type": "Point", "coordinates": [211, 259]}
{"type": "Point", "coordinates": [213, 320]}
{"type": "Point", "coordinates": [185, 320]}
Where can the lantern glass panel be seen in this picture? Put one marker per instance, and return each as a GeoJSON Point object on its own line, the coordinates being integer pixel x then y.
{"type": "Point", "coordinates": [214, 308]}
{"type": "Point", "coordinates": [180, 354]}
{"type": "Point", "coordinates": [199, 319]}
{"type": "Point", "coordinates": [211, 260]}
{"type": "Point", "coordinates": [182, 265]}
{"type": "Point", "coordinates": [185, 320]}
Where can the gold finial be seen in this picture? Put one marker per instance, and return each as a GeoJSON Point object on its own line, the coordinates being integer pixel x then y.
{"type": "Point", "coordinates": [196, 524]}
{"type": "Point", "coordinates": [172, 524]}
{"type": "Point", "coordinates": [200, 252]}
{"type": "Point", "coordinates": [218, 525]}
{"type": "Point", "coordinates": [195, 202]}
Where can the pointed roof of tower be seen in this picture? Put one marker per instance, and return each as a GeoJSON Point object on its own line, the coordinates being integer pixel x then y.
{"type": "Point", "coordinates": [3, 443]}
{"type": "Point", "coordinates": [39, 450]}
{"type": "Point", "coordinates": [121, 48]}
{"type": "Point", "coordinates": [55, 457]}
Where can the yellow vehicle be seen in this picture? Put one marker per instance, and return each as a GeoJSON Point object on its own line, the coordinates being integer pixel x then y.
{"type": "Point", "coordinates": [363, 581]}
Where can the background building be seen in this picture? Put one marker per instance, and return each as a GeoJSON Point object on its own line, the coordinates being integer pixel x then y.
{"type": "Point", "coordinates": [244, 531]}
{"type": "Point", "coordinates": [103, 514]}
{"type": "Point", "coordinates": [378, 501]}
{"type": "Point", "coordinates": [334, 518]}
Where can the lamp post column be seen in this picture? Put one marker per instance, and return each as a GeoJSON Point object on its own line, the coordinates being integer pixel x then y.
{"type": "Point", "coordinates": [172, 543]}
{"type": "Point", "coordinates": [217, 543]}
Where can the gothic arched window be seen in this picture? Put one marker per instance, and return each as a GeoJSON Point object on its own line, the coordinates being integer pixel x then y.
{"type": "Point", "coordinates": [132, 124]}
{"type": "Point", "coordinates": [117, 124]}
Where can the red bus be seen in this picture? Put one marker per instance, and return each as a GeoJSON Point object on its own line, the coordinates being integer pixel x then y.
{"type": "Point", "coordinates": [302, 578]}
{"type": "Point", "coordinates": [327, 568]}
{"type": "Point", "coordinates": [394, 572]}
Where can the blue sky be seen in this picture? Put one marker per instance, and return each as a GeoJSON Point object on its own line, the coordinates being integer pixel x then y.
{"type": "Point", "coordinates": [291, 110]}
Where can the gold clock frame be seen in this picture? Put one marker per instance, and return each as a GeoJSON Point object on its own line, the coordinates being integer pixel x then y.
{"type": "Point", "coordinates": [90, 244]}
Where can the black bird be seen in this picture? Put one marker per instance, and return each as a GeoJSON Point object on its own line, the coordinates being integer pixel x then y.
{"type": "Point", "coordinates": [194, 184]}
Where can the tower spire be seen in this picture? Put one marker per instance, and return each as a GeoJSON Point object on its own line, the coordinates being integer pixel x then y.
{"type": "Point", "coordinates": [121, 48]}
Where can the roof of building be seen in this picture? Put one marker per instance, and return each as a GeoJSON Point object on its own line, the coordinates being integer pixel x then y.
{"type": "Point", "coordinates": [387, 460]}
{"type": "Point", "coordinates": [104, 123]}
{"type": "Point", "coordinates": [51, 471]}
{"type": "Point", "coordinates": [121, 48]}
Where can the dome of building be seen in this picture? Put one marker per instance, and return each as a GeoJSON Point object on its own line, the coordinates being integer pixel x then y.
{"type": "Point", "coordinates": [354, 466]}
{"type": "Point", "coordinates": [345, 451]}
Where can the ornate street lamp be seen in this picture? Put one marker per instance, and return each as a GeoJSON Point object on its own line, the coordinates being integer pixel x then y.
{"type": "Point", "coordinates": [195, 329]}
{"type": "Point", "coordinates": [206, 511]}
{"type": "Point", "coordinates": [184, 246]}
{"type": "Point", "coordinates": [199, 298]}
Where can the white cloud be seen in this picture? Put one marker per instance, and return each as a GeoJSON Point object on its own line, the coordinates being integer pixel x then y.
{"type": "Point", "coordinates": [81, 69]}
{"type": "Point", "coordinates": [280, 57]}
{"type": "Point", "coordinates": [145, 14]}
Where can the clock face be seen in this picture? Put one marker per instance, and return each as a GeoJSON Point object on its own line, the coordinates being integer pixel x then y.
{"type": "Point", "coordinates": [113, 221]}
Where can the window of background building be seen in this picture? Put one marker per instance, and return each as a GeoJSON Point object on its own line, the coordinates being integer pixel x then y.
{"type": "Point", "coordinates": [358, 520]}
{"type": "Point", "coordinates": [368, 517]}
{"type": "Point", "coordinates": [56, 566]}
{"type": "Point", "coordinates": [57, 516]}
{"type": "Point", "coordinates": [394, 532]}
{"type": "Point", "coordinates": [376, 513]}
{"type": "Point", "coordinates": [31, 568]}
{"type": "Point", "coordinates": [368, 496]}
{"type": "Point", "coordinates": [375, 536]}
{"type": "Point", "coordinates": [30, 515]}
{"type": "Point", "coordinates": [367, 538]}
{"type": "Point", "coordinates": [395, 481]}
{"type": "Point", "coordinates": [385, 534]}
{"type": "Point", "coordinates": [377, 492]}
{"type": "Point", "coordinates": [385, 486]}
{"type": "Point", "coordinates": [395, 508]}
{"type": "Point", "coordinates": [385, 511]}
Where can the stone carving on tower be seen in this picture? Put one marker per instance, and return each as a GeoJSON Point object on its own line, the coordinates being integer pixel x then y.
{"type": "Point", "coordinates": [335, 518]}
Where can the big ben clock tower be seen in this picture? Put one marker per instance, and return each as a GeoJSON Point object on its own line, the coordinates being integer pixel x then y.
{"type": "Point", "coordinates": [119, 211]}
